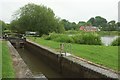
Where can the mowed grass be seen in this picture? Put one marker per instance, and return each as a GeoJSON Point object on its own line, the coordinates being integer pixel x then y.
{"type": "Point", "coordinates": [0, 59]}
{"type": "Point", "coordinates": [103, 55]}
{"type": "Point", "coordinates": [7, 67]}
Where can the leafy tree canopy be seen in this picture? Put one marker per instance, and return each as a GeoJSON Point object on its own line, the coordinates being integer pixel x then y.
{"type": "Point", "coordinates": [34, 17]}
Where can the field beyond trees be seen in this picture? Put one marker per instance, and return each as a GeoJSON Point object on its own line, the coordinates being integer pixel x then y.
{"type": "Point", "coordinates": [103, 55]}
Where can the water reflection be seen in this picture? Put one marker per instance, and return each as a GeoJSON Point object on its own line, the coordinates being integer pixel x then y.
{"type": "Point", "coordinates": [36, 65]}
{"type": "Point", "coordinates": [107, 40]}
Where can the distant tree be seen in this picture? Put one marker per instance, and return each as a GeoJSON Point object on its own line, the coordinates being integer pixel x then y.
{"type": "Point", "coordinates": [100, 21]}
{"type": "Point", "coordinates": [118, 26]}
{"type": "Point", "coordinates": [88, 24]}
{"type": "Point", "coordinates": [92, 21]}
{"type": "Point", "coordinates": [34, 17]}
{"type": "Point", "coordinates": [14, 26]}
{"type": "Point", "coordinates": [66, 24]}
{"type": "Point", "coordinates": [2, 26]}
{"type": "Point", "coordinates": [82, 23]}
{"type": "Point", "coordinates": [112, 26]}
{"type": "Point", "coordinates": [69, 25]}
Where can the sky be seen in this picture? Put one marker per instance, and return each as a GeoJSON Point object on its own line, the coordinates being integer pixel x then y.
{"type": "Point", "coordinates": [72, 10]}
{"type": "Point", "coordinates": [119, 12]}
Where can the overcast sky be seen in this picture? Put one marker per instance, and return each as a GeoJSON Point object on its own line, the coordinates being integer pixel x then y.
{"type": "Point", "coordinates": [72, 10]}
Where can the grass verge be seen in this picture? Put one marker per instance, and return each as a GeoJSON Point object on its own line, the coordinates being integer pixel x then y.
{"type": "Point", "coordinates": [103, 55]}
{"type": "Point", "coordinates": [7, 67]}
{"type": "Point", "coordinates": [0, 59]}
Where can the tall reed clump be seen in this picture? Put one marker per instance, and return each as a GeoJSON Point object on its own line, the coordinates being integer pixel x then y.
{"type": "Point", "coordinates": [51, 36]}
{"type": "Point", "coordinates": [116, 42]}
{"type": "Point", "coordinates": [58, 38]}
{"type": "Point", "coordinates": [73, 32]}
{"type": "Point", "coordinates": [86, 38]}
{"type": "Point", "coordinates": [64, 38]}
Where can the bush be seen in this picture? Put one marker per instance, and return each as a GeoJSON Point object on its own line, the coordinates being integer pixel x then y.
{"type": "Point", "coordinates": [51, 36]}
{"type": "Point", "coordinates": [116, 42]}
{"type": "Point", "coordinates": [45, 36]}
{"type": "Point", "coordinates": [78, 39]}
{"type": "Point", "coordinates": [64, 38]}
{"type": "Point", "coordinates": [73, 32]}
{"type": "Point", "coordinates": [87, 38]}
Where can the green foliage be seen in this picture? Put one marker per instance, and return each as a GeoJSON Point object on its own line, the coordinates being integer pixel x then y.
{"type": "Point", "coordinates": [73, 32]}
{"type": "Point", "coordinates": [14, 26]}
{"type": "Point", "coordinates": [0, 59]}
{"type": "Point", "coordinates": [113, 33]}
{"type": "Point", "coordinates": [112, 26]}
{"type": "Point", "coordinates": [82, 23]}
{"type": "Point", "coordinates": [78, 39]}
{"type": "Point", "coordinates": [51, 36]}
{"type": "Point", "coordinates": [46, 37]}
{"type": "Point", "coordinates": [7, 67]}
{"type": "Point", "coordinates": [58, 37]}
{"type": "Point", "coordinates": [116, 42]}
{"type": "Point", "coordinates": [2, 26]}
{"type": "Point", "coordinates": [64, 38]}
{"type": "Point", "coordinates": [118, 26]}
{"type": "Point", "coordinates": [69, 25]}
{"type": "Point", "coordinates": [92, 21]}
{"type": "Point", "coordinates": [86, 38]}
{"type": "Point", "coordinates": [39, 18]}
{"type": "Point", "coordinates": [100, 21]}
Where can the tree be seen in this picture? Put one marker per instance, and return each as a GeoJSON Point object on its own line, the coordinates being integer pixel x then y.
{"type": "Point", "coordinates": [66, 24]}
{"type": "Point", "coordinates": [2, 26]}
{"type": "Point", "coordinates": [92, 21]}
{"type": "Point", "coordinates": [82, 23]}
{"type": "Point", "coordinates": [14, 26]}
{"type": "Point", "coordinates": [100, 22]}
{"type": "Point", "coordinates": [118, 26]}
{"type": "Point", "coordinates": [112, 25]}
{"type": "Point", "coordinates": [39, 18]}
{"type": "Point", "coordinates": [69, 25]}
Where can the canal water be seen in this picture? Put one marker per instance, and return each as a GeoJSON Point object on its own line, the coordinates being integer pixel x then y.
{"type": "Point", "coordinates": [36, 65]}
{"type": "Point", "coordinates": [107, 40]}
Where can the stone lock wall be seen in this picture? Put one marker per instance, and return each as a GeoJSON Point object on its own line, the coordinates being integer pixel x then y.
{"type": "Point", "coordinates": [66, 65]}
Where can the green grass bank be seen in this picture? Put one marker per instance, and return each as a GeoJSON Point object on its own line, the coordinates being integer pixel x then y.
{"type": "Point", "coordinates": [7, 67]}
{"type": "Point", "coordinates": [0, 59]}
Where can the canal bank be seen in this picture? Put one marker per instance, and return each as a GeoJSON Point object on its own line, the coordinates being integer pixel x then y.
{"type": "Point", "coordinates": [21, 68]}
{"type": "Point", "coordinates": [69, 66]}
{"type": "Point", "coordinates": [6, 67]}
{"type": "Point", "coordinates": [41, 60]}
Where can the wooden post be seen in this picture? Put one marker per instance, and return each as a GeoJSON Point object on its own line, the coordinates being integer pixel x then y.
{"type": "Point", "coordinates": [61, 48]}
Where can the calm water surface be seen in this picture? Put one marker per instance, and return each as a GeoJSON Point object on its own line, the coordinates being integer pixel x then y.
{"type": "Point", "coordinates": [36, 65]}
{"type": "Point", "coordinates": [107, 40]}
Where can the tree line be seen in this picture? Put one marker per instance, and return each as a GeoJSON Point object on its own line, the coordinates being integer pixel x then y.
{"type": "Point", "coordinates": [98, 21]}
{"type": "Point", "coordinates": [42, 19]}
